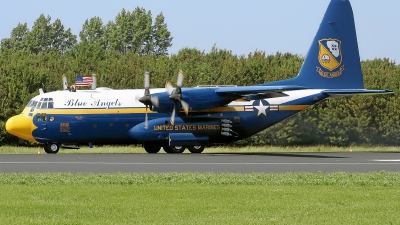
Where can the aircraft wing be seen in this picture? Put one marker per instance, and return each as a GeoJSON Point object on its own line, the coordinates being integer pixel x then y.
{"type": "Point", "coordinates": [260, 90]}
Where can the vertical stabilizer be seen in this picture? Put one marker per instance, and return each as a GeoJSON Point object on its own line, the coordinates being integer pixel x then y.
{"type": "Point", "coordinates": [333, 60]}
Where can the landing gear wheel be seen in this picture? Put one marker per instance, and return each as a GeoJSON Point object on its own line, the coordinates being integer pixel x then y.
{"type": "Point", "coordinates": [196, 148]}
{"type": "Point", "coordinates": [174, 149]}
{"type": "Point", "coordinates": [51, 148]}
{"type": "Point", "coordinates": [149, 148]}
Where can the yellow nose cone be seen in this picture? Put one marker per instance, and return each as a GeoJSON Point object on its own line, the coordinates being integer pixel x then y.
{"type": "Point", "coordinates": [20, 126]}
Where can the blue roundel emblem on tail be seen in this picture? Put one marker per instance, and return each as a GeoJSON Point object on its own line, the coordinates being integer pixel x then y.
{"type": "Point", "coordinates": [261, 108]}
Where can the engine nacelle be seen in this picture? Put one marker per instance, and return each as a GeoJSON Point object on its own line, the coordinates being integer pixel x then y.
{"type": "Point", "coordinates": [197, 98]}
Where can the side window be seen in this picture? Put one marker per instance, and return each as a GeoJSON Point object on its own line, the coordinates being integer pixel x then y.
{"type": "Point", "coordinates": [31, 111]}
{"type": "Point", "coordinates": [41, 117]}
{"type": "Point", "coordinates": [50, 104]}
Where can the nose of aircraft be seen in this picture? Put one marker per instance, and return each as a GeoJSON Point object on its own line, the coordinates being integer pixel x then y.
{"type": "Point", "coordinates": [20, 126]}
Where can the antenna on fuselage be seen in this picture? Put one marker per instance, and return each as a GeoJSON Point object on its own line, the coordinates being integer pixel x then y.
{"type": "Point", "coordinates": [94, 82]}
{"type": "Point", "coordinates": [65, 83]}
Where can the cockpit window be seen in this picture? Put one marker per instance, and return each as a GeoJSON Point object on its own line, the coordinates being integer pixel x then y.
{"type": "Point", "coordinates": [45, 103]}
{"type": "Point", "coordinates": [32, 103]}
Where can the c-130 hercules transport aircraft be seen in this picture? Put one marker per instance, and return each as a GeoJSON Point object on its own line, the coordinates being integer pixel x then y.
{"type": "Point", "coordinates": [179, 118]}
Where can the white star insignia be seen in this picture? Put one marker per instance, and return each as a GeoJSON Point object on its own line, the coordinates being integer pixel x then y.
{"type": "Point", "coordinates": [262, 109]}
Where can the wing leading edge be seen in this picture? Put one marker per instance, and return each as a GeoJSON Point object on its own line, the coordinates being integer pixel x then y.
{"type": "Point", "coordinates": [265, 91]}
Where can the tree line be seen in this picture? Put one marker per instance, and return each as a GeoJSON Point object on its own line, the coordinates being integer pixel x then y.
{"type": "Point", "coordinates": [130, 32]}
{"type": "Point", "coordinates": [120, 51]}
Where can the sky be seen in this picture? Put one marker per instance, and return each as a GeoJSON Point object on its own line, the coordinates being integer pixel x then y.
{"type": "Point", "coordinates": [239, 26]}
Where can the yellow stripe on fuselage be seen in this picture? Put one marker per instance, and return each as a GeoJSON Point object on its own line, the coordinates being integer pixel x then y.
{"type": "Point", "coordinates": [137, 110]}
{"type": "Point", "coordinates": [293, 107]}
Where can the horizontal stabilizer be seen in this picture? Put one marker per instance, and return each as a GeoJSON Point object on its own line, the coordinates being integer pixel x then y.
{"type": "Point", "coordinates": [347, 92]}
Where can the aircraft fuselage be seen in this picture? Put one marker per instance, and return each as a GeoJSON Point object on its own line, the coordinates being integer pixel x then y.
{"type": "Point", "coordinates": [105, 116]}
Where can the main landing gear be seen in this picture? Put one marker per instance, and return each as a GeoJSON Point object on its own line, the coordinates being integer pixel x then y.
{"type": "Point", "coordinates": [149, 148]}
{"type": "Point", "coordinates": [196, 148]}
{"type": "Point", "coordinates": [174, 149]}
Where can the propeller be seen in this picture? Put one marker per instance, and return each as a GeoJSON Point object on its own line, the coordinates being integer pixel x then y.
{"type": "Point", "coordinates": [147, 99]}
{"type": "Point", "coordinates": [176, 95]}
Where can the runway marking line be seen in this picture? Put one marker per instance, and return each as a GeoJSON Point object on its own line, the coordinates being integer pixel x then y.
{"type": "Point", "coordinates": [387, 160]}
{"type": "Point", "coordinates": [375, 162]}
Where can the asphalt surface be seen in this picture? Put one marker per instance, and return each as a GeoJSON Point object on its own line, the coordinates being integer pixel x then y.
{"type": "Point", "coordinates": [227, 163]}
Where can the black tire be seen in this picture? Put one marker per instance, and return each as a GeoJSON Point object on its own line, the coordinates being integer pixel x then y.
{"type": "Point", "coordinates": [173, 149]}
{"type": "Point", "coordinates": [51, 148]}
{"type": "Point", "coordinates": [151, 149]}
{"type": "Point", "coordinates": [196, 148]}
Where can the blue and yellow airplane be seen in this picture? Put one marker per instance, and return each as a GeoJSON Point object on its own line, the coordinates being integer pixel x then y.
{"type": "Point", "coordinates": [179, 118]}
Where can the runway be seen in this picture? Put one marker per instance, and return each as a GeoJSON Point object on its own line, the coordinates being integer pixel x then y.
{"type": "Point", "coordinates": [219, 163]}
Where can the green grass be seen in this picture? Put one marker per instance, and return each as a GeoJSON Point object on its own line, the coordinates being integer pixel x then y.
{"type": "Point", "coordinates": [200, 198]}
{"type": "Point", "coordinates": [194, 198]}
{"type": "Point", "coordinates": [139, 149]}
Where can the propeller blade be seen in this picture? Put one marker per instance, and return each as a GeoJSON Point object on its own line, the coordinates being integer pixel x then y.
{"type": "Point", "coordinates": [146, 84]}
{"type": "Point", "coordinates": [146, 121]}
{"type": "Point", "coordinates": [180, 79]}
{"type": "Point", "coordinates": [154, 101]}
{"type": "Point", "coordinates": [185, 107]}
{"type": "Point", "coordinates": [172, 120]}
{"type": "Point", "coordinates": [147, 99]}
{"type": "Point", "coordinates": [146, 80]}
{"type": "Point", "coordinates": [169, 87]}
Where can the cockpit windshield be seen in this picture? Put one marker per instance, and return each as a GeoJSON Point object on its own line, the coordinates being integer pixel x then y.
{"type": "Point", "coordinates": [44, 103]}
{"type": "Point", "coordinates": [32, 103]}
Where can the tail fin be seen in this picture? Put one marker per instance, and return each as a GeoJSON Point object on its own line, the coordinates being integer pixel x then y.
{"type": "Point", "coordinates": [333, 60]}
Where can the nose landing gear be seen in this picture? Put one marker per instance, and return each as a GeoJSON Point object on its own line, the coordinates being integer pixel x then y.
{"type": "Point", "coordinates": [51, 148]}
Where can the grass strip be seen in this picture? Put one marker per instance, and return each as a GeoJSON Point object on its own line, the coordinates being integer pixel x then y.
{"type": "Point", "coordinates": [187, 198]}
{"type": "Point", "coordinates": [336, 179]}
